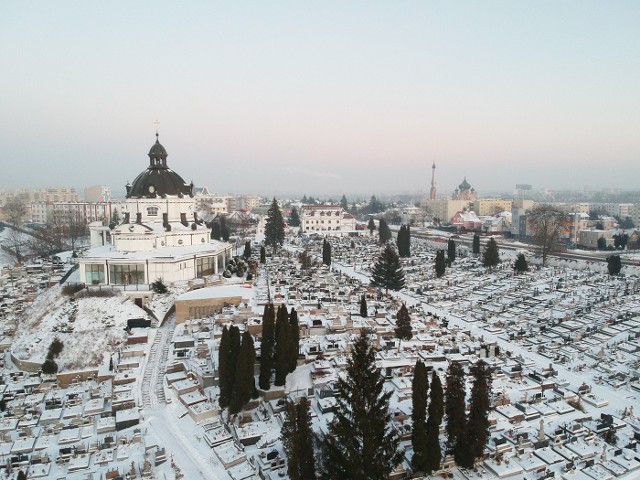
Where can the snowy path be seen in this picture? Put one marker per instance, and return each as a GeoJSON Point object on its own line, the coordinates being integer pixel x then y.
{"type": "Point", "coordinates": [153, 378]}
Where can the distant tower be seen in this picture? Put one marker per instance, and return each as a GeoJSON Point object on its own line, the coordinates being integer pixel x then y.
{"type": "Point", "coordinates": [432, 192]}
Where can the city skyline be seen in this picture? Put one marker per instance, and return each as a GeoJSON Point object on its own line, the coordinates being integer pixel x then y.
{"type": "Point", "coordinates": [324, 98]}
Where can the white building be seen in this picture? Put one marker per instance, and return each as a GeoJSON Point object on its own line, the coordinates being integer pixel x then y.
{"type": "Point", "coordinates": [160, 236]}
{"type": "Point", "coordinates": [327, 220]}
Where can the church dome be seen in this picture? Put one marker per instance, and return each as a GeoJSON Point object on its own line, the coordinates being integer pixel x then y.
{"type": "Point", "coordinates": [158, 180]}
{"type": "Point", "coordinates": [464, 185]}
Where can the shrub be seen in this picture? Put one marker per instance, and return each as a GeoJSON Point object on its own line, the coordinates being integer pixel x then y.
{"type": "Point", "coordinates": [49, 367]}
{"type": "Point", "coordinates": [158, 286]}
{"type": "Point", "coordinates": [71, 289]}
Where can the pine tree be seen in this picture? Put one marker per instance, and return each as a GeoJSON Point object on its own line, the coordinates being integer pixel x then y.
{"type": "Point", "coordinates": [263, 255]}
{"type": "Point", "coordinates": [274, 226]}
{"type": "Point", "coordinates": [521, 264]}
{"type": "Point", "coordinates": [387, 272]}
{"type": "Point", "coordinates": [326, 252]}
{"type": "Point", "coordinates": [267, 346]}
{"type": "Point", "coordinates": [441, 263]}
{"type": "Point", "coordinates": [294, 340]}
{"type": "Point", "coordinates": [476, 244]}
{"type": "Point", "coordinates": [282, 350]}
{"type": "Point", "coordinates": [224, 365]}
{"type": "Point", "coordinates": [403, 325]}
{"type": "Point", "coordinates": [371, 226]}
{"type": "Point", "coordinates": [364, 313]}
{"type": "Point", "coordinates": [478, 422]}
{"type": "Point", "coordinates": [451, 251]}
{"type": "Point", "coordinates": [360, 444]}
{"type": "Point", "coordinates": [420, 387]}
{"type": "Point", "coordinates": [434, 419]}
{"type": "Point", "coordinates": [224, 229]}
{"type": "Point", "coordinates": [247, 250]}
{"type": "Point", "coordinates": [297, 436]}
{"type": "Point", "coordinates": [244, 386]}
{"type": "Point", "coordinates": [344, 204]}
{"type": "Point", "coordinates": [454, 405]}
{"type": "Point", "coordinates": [491, 257]}
{"type": "Point", "coordinates": [294, 218]}
{"type": "Point", "coordinates": [383, 231]}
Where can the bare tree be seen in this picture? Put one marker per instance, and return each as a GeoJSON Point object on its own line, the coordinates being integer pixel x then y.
{"type": "Point", "coordinates": [16, 241]}
{"type": "Point", "coordinates": [548, 225]}
{"type": "Point", "coordinates": [15, 210]}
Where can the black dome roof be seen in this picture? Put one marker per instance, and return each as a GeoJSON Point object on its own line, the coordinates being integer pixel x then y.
{"type": "Point", "coordinates": [158, 180]}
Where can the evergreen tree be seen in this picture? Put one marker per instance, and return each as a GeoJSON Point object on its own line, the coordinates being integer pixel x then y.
{"type": "Point", "coordinates": [297, 440]}
{"type": "Point", "coordinates": [420, 387]}
{"type": "Point", "coordinates": [403, 325]}
{"type": "Point", "coordinates": [267, 346]}
{"type": "Point", "coordinates": [407, 242]}
{"type": "Point", "coordinates": [387, 272]}
{"type": "Point", "coordinates": [371, 226]}
{"type": "Point", "coordinates": [491, 257]}
{"type": "Point", "coordinates": [21, 475]}
{"type": "Point", "coordinates": [451, 251]}
{"type": "Point", "coordinates": [282, 350]}
{"type": "Point", "coordinates": [111, 364]}
{"type": "Point", "coordinates": [441, 263]}
{"type": "Point", "coordinates": [294, 218]}
{"type": "Point", "coordinates": [478, 422]}
{"type": "Point", "coordinates": [383, 231]}
{"type": "Point", "coordinates": [294, 340]}
{"type": "Point", "coordinates": [476, 244]}
{"type": "Point", "coordinates": [364, 313]}
{"type": "Point", "coordinates": [215, 231]}
{"type": "Point", "coordinates": [435, 413]}
{"type": "Point", "coordinates": [224, 365]}
{"type": "Point", "coordinates": [244, 386]}
{"type": "Point", "coordinates": [344, 204]}
{"type": "Point", "coordinates": [263, 255]}
{"type": "Point", "coordinates": [404, 241]}
{"type": "Point", "coordinates": [454, 405]}
{"type": "Point", "coordinates": [326, 252]}
{"type": "Point", "coordinates": [159, 287]}
{"type": "Point", "coordinates": [521, 264]}
{"type": "Point", "coordinates": [247, 250]}
{"type": "Point", "coordinates": [224, 229]}
{"type": "Point", "coordinates": [400, 241]}
{"type": "Point", "coordinates": [274, 226]}
{"type": "Point", "coordinates": [360, 444]}
{"type": "Point", "coordinates": [304, 200]}
{"type": "Point", "coordinates": [614, 264]}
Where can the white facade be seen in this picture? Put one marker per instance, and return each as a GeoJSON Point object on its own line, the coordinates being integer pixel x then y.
{"type": "Point", "coordinates": [326, 219]}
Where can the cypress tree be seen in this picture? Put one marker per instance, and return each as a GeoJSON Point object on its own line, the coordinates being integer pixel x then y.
{"type": "Point", "coordinates": [294, 218]}
{"type": "Point", "coordinates": [403, 325]}
{"type": "Point", "coordinates": [267, 346]}
{"type": "Point", "coordinates": [420, 387]}
{"type": "Point", "coordinates": [441, 264]}
{"type": "Point", "coordinates": [247, 250]}
{"type": "Point", "coordinates": [364, 313]}
{"type": "Point", "coordinates": [478, 423]}
{"type": "Point", "coordinates": [476, 244]}
{"type": "Point", "coordinates": [400, 241]}
{"type": "Point", "coordinates": [294, 340]}
{"type": "Point", "coordinates": [244, 386]}
{"type": "Point", "coordinates": [383, 231]}
{"type": "Point", "coordinates": [407, 242]}
{"type": "Point", "coordinates": [344, 204]}
{"type": "Point", "coordinates": [224, 229]}
{"type": "Point", "coordinates": [614, 264]}
{"type": "Point", "coordinates": [387, 272]}
{"type": "Point", "coordinates": [297, 440]}
{"type": "Point", "coordinates": [224, 365]}
{"type": "Point", "coordinates": [283, 349]}
{"type": "Point", "coordinates": [361, 444]}
{"type": "Point", "coordinates": [491, 257]}
{"type": "Point", "coordinates": [215, 231]}
{"type": "Point", "coordinates": [454, 405]}
{"type": "Point", "coordinates": [326, 252]}
{"type": "Point", "coordinates": [451, 251]}
{"type": "Point", "coordinates": [371, 226]}
{"type": "Point", "coordinates": [263, 255]}
{"type": "Point", "coordinates": [435, 412]}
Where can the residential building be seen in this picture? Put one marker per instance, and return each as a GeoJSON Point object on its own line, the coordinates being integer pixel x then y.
{"type": "Point", "coordinates": [326, 219]}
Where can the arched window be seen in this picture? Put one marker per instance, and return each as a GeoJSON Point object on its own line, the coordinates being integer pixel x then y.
{"type": "Point", "coordinates": [152, 211]}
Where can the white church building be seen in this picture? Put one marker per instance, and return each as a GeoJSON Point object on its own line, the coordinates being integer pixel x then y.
{"type": "Point", "coordinates": [160, 237]}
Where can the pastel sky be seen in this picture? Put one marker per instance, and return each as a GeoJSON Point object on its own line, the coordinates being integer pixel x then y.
{"type": "Point", "coordinates": [322, 97]}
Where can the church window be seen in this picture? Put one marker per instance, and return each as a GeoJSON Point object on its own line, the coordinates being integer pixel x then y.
{"type": "Point", "coordinates": [152, 211]}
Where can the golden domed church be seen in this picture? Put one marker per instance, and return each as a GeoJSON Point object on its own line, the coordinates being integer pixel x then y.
{"type": "Point", "coordinates": [160, 236]}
